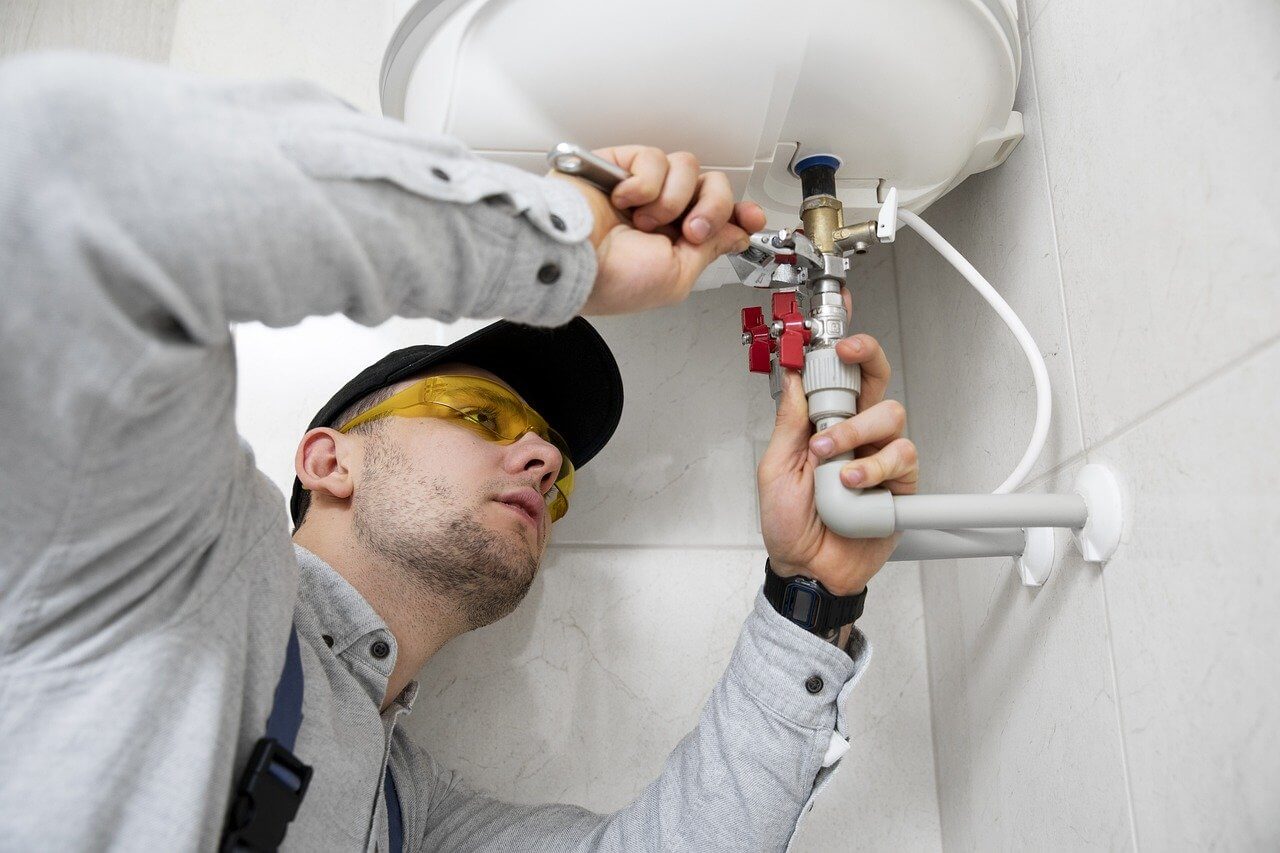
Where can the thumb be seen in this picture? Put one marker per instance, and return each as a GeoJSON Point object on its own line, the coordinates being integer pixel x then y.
{"type": "Point", "coordinates": [791, 428]}
{"type": "Point", "coordinates": [696, 257]}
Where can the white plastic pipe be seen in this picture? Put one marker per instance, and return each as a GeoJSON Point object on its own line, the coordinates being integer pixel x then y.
{"type": "Point", "coordinates": [956, 512]}
{"type": "Point", "coordinates": [955, 544]}
{"type": "Point", "coordinates": [1044, 398]}
{"type": "Point", "coordinates": [871, 514]}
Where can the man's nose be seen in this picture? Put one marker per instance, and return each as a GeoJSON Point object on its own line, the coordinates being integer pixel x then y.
{"type": "Point", "coordinates": [533, 453]}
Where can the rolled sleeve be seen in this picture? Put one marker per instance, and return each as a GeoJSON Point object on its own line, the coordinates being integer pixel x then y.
{"type": "Point", "coordinates": [781, 664]}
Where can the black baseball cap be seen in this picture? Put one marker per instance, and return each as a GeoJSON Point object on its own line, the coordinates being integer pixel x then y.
{"type": "Point", "coordinates": [567, 374]}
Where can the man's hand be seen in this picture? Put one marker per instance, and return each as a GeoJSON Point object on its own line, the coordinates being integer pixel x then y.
{"type": "Point", "coordinates": [795, 537]}
{"type": "Point", "coordinates": [650, 251]}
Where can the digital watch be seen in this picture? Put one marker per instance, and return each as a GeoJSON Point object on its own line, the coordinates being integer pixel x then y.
{"type": "Point", "coordinates": [807, 603]}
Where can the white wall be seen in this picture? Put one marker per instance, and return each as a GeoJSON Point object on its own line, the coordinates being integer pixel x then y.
{"type": "Point", "coordinates": [1135, 229]}
{"type": "Point", "coordinates": [580, 694]}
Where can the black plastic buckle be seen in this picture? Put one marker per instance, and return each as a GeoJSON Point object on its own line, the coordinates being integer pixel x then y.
{"type": "Point", "coordinates": [267, 799]}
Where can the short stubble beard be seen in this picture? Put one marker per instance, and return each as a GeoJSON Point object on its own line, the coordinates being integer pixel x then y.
{"type": "Point", "coordinates": [436, 540]}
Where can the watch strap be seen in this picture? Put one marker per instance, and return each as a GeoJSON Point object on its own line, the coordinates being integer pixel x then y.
{"type": "Point", "coordinates": [835, 611]}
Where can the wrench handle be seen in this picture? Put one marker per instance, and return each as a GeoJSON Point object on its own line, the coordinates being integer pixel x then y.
{"type": "Point", "coordinates": [572, 159]}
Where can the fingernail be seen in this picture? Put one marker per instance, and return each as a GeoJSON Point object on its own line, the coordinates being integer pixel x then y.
{"type": "Point", "coordinates": [643, 222]}
{"type": "Point", "coordinates": [854, 344]}
{"type": "Point", "coordinates": [699, 228]}
{"type": "Point", "coordinates": [852, 477]}
{"type": "Point", "coordinates": [823, 446]}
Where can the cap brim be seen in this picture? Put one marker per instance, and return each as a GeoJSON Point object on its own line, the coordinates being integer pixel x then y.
{"type": "Point", "coordinates": [567, 374]}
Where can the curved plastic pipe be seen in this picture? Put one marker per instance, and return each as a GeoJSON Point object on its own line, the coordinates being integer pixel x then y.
{"type": "Point", "coordinates": [1044, 399]}
{"type": "Point", "coordinates": [871, 514]}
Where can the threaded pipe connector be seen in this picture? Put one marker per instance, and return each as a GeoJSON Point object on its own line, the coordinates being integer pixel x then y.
{"type": "Point", "coordinates": [831, 385]}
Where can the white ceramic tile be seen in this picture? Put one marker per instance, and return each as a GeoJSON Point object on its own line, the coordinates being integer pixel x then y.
{"type": "Point", "coordinates": [1193, 594]}
{"type": "Point", "coordinates": [948, 675]}
{"type": "Point", "coordinates": [580, 695]}
{"type": "Point", "coordinates": [1028, 745]}
{"type": "Point", "coordinates": [1160, 124]}
{"type": "Point", "coordinates": [971, 394]}
{"type": "Point", "coordinates": [336, 43]}
{"type": "Point", "coordinates": [885, 795]}
{"type": "Point", "coordinates": [680, 468]}
{"type": "Point", "coordinates": [142, 30]}
{"type": "Point", "coordinates": [873, 285]}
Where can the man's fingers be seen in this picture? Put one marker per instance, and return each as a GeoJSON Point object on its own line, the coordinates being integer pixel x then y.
{"type": "Point", "coordinates": [749, 216]}
{"type": "Point", "coordinates": [896, 467]}
{"type": "Point", "coordinates": [791, 428]}
{"type": "Point", "coordinates": [677, 191]}
{"type": "Point", "coordinates": [713, 209]}
{"type": "Point", "coordinates": [866, 352]}
{"type": "Point", "coordinates": [648, 167]}
{"type": "Point", "coordinates": [883, 421]}
{"type": "Point", "coordinates": [693, 258]}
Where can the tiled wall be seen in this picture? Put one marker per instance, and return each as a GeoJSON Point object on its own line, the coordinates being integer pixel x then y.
{"type": "Point", "coordinates": [579, 695]}
{"type": "Point", "coordinates": [1135, 230]}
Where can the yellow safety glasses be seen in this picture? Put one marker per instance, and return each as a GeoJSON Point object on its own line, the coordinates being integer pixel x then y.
{"type": "Point", "coordinates": [487, 409]}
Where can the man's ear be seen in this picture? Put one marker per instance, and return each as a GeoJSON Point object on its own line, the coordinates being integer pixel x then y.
{"type": "Point", "coordinates": [322, 463]}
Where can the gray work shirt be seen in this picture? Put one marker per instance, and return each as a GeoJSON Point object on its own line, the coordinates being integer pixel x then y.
{"type": "Point", "coordinates": [147, 577]}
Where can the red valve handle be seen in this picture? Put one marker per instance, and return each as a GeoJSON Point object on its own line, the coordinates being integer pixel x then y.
{"type": "Point", "coordinates": [762, 345]}
{"type": "Point", "coordinates": [795, 336]}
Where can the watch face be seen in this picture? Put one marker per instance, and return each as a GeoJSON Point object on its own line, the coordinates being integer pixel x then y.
{"type": "Point", "coordinates": [800, 605]}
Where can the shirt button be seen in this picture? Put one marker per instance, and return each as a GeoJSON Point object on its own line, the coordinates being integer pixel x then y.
{"type": "Point", "coordinates": [557, 223]}
{"type": "Point", "coordinates": [813, 684]}
{"type": "Point", "coordinates": [440, 174]}
{"type": "Point", "coordinates": [380, 649]}
{"type": "Point", "coordinates": [549, 274]}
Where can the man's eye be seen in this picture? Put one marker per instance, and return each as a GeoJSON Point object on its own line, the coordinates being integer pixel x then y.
{"type": "Point", "coordinates": [486, 418]}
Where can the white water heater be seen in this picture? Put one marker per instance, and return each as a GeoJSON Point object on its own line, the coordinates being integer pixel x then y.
{"type": "Point", "coordinates": [912, 94]}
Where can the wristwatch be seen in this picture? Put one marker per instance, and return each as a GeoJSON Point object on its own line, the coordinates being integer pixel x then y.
{"type": "Point", "coordinates": [809, 604]}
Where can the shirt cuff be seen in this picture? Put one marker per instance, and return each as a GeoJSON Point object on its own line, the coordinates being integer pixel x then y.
{"type": "Point", "coordinates": [542, 279]}
{"type": "Point", "coordinates": [795, 673]}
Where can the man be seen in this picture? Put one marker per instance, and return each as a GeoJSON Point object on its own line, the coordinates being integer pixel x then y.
{"type": "Point", "coordinates": [150, 598]}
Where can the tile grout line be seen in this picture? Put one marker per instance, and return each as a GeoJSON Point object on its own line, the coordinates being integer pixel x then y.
{"type": "Point", "coordinates": [897, 315]}
{"type": "Point", "coordinates": [1194, 387]}
{"type": "Point", "coordinates": [924, 615]}
{"type": "Point", "coordinates": [1115, 685]}
{"type": "Point", "coordinates": [1084, 443]}
{"type": "Point", "coordinates": [1144, 417]}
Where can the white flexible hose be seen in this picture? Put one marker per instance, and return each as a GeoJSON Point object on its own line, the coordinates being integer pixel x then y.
{"type": "Point", "coordinates": [1044, 398]}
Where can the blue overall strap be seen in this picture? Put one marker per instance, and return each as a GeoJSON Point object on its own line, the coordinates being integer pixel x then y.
{"type": "Point", "coordinates": [395, 822]}
{"type": "Point", "coordinates": [286, 709]}
{"type": "Point", "coordinates": [274, 781]}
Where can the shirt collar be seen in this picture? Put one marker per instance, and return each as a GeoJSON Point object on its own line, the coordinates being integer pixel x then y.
{"type": "Point", "coordinates": [341, 611]}
{"type": "Point", "coordinates": [335, 610]}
